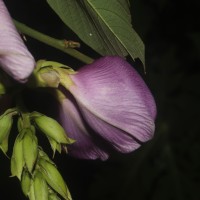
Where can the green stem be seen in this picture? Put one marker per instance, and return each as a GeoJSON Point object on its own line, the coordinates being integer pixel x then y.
{"type": "Point", "coordinates": [56, 43]}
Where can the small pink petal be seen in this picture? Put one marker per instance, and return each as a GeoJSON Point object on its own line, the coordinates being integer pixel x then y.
{"type": "Point", "coordinates": [73, 123]}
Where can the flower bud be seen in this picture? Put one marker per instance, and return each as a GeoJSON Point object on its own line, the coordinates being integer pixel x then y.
{"type": "Point", "coordinates": [30, 148]}
{"type": "Point", "coordinates": [40, 187]}
{"type": "Point", "coordinates": [25, 182]}
{"type": "Point", "coordinates": [6, 122]}
{"type": "Point", "coordinates": [17, 159]}
{"type": "Point", "coordinates": [51, 128]}
{"type": "Point", "coordinates": [54, 178]}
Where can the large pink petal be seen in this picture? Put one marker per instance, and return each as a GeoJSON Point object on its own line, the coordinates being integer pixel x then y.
{"type": "Point", "coordinates": [15, 58]}
{"type": "Point", "coordinates": [110, 93]}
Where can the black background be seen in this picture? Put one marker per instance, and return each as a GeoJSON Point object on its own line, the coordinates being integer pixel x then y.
{"type": "Point", "coordinates": [166, 168]}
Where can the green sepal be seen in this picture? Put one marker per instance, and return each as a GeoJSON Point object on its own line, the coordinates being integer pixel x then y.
{"type": "Point", "coordinates": [41, 64]}
{"type": "Point", "coordinates": [46, 74]}
{"type": "Point", "coordinates": [65, 79]}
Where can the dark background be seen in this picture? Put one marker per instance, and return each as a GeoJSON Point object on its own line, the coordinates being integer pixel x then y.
{"type": "Point", "coordinates": [166, 168]}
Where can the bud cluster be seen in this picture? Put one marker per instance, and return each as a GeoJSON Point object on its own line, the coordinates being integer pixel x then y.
{"type": "Point", "coordinates": [39, 176]}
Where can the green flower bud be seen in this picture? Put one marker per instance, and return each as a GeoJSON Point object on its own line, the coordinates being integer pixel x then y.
{"type": "Point", "coordinates": [31, 194]}
{"type": "Point", "coordinates": [6, 122]}
{"type": "Point", "coordinates": [40, 187]}
{"type": "Point", "coordinates": [54, 178]}
{"type": "Point", "coordinates": [17, 159]}
{"type": "Point", "coordinates": [30, 148]}
{"type": "Point", "coordinates": [26, 182]}
{"type": "Point", "coordinates": [51, 128]}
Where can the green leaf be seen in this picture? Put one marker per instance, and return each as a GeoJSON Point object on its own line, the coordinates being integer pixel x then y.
{"type": "Point", "coordinates": [103, 25]}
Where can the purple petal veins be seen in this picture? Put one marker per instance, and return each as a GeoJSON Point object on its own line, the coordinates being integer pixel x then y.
{"type": "Point", "coordinates": [115, 102]}
{"type": "Point", "coordinates": [15, 58]}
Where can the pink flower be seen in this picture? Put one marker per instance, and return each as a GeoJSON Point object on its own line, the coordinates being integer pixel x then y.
{"type": "Point", "coordinates": [108, 105]}
{"type": "Point", "coordinates": [15, 59]}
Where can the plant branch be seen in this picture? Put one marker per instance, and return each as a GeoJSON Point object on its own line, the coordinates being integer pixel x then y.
{"type": "Point", "coordinates": [56, 43]}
